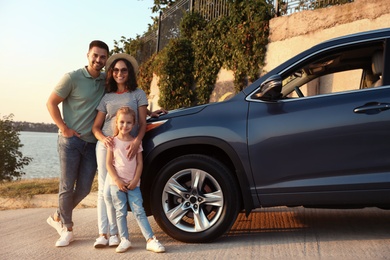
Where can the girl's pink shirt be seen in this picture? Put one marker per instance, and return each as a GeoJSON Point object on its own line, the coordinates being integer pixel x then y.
{"type": "Point", "coordinates": [125, 168]}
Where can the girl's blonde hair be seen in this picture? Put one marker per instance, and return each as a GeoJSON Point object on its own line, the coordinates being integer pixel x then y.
{"type": "Point", "coordinates": [124, 111]}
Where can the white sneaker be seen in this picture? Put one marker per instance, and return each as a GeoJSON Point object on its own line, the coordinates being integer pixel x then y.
{"type": "Point", "coordinates": [55, 224]}
{"type": "Point", "coordinates": [113, 241]}
{"type": "Point", "coordinates": [66, 237]}
{"type": "Point", "coordinates": [123, 246]}
{"type": "Point", "coordinates": [155, 246]}
{"type": "Point", "coordinates": [100, 242]}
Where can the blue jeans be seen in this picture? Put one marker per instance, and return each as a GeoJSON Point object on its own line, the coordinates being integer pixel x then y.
{"type": "Point", "coordinates": [134, 198]}
{"type": "Point", "coordinates": [78, 168]}
{"type": "Point", "coordinates": [105, 210]}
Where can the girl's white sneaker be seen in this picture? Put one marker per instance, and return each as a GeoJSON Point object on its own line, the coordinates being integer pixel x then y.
{"type": "Point", "coordinates": [155, 246]}
{"type": "Point", "coordinates": [123, 246]}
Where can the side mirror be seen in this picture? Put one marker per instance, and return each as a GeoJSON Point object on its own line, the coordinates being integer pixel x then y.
{"type": "Point", "coordinates": [271, 88]}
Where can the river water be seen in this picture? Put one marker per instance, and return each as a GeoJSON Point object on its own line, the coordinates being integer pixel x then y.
{"type": "Point", "coordinates": [42, 147]}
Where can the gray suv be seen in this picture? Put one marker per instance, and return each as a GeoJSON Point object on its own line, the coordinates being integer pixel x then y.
{"type": "Point", "coordinates": [313, 132]}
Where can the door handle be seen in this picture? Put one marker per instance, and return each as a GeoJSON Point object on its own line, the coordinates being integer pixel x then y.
{"type": "Point", "coordinates": [372, 108]}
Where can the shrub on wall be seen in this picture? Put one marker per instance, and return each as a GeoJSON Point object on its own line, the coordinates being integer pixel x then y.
{"type": "Point", "coordinates": [175, 69]}
{"type": "Point", "coordinates": [145, 74]}
{"type": "Point", "coordinates": [237, 42]}
{"type": "Point", "coordinates": [210, 54]}
{"type": "Point", "coordinates": [248, 39]}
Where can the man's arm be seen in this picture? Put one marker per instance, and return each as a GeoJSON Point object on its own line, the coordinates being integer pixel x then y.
{"type": "Point", "coordinates": [52, 106]}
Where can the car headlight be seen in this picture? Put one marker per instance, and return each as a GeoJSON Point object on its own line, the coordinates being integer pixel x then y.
{"type": "Point", "coordinates": [153, 125]}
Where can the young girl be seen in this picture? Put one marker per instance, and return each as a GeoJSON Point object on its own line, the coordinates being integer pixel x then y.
{"type": "Point", "coordinates": [125, 180]}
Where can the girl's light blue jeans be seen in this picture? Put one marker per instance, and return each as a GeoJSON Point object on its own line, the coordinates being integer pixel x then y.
{"type": "Point", "coordinates": [105, 208]}
{"type": "Point", "coordinates": [134, 198]}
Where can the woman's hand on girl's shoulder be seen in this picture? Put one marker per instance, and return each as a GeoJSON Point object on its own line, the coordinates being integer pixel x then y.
{"type": "Point", "coordinates": [109, 142]}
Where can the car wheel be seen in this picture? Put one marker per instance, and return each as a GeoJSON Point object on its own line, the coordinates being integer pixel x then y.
{"type": "Point", "coordinates": [195, 199]}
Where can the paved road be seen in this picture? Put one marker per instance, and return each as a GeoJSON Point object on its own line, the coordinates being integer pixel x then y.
{"type": "Point", "coordinates": [276, 233]}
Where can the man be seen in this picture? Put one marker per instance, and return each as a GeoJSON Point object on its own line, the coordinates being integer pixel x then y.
{"type": "Point", "coordinates": [79, 92]}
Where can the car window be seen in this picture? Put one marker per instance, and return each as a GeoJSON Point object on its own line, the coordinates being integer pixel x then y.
{"type": "Point", "coordinates": [336, 82]}
{"type": "Point", "coordinates": [344, 69]}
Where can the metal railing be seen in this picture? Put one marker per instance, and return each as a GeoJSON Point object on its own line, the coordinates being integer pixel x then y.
{"type": "Point", "coordinates": [287, 7]}
{"type": "Point", "coordinates": [211, 9]}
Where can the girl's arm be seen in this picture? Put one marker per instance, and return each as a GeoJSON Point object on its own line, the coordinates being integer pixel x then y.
{"type": "Point", "coordinates": [138, 172]}
{"type": "Point", "coordinates": [97, 130]}
{"type": "Point", "coordinates": [133, 148]}
{"type": "Point", "coordinates": [111, 170]}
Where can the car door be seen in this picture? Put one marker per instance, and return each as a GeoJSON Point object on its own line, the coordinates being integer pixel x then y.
{"type": "Point", "coordinates": [322, 150]}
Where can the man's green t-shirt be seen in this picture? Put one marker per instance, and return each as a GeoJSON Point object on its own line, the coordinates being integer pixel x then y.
{"type": "Point", "coordinates": [82, 95]}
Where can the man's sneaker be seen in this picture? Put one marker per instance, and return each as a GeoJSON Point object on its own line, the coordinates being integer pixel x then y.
{"type": "Point", "coordinates": [113, 241]}
{"type": "Point", "coordinates": [55, 224]}
{"type": "Point", "coordinates": [66, 237]}
{"type": "Point", "coordinates": [155, 246]}
{"type": "Point", "coordinates": [100, 242]}
{"type": "Point", "coordinates": [123, 246]}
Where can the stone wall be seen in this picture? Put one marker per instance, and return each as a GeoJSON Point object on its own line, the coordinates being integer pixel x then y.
{"type": "Point", "coordinates": [290, 35]}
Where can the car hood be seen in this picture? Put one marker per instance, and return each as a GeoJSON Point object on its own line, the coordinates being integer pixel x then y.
{"type": "Point", "coordinates": [180, 112]}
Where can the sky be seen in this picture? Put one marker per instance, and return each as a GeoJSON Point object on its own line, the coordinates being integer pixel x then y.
{"type": "Point", "coordinates": [41, 40]}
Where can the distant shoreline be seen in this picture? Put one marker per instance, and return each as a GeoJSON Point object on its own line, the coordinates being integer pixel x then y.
{"type": "Point", "coordinates": [35, 127]}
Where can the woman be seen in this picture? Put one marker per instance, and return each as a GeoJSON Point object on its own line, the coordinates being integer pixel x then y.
{"type": "Point", "coordinates": [121, 90]}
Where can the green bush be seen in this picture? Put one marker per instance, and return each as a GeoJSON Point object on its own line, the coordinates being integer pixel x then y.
{"type": "Point", "coordinates": [175, 69]}
{"type": "Point", "coordinates": [12, 160]}
{"type": "Point", "coordinates": [188, 67]}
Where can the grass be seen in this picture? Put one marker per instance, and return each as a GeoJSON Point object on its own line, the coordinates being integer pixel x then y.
{"type": "Point", "coordinates": [27, 188]}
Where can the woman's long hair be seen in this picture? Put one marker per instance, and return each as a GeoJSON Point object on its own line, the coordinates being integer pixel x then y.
{"type": "Point", "coordinates": [131, 83]}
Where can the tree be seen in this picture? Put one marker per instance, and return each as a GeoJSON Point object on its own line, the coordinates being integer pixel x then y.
{"type": "Point", "coordinates": [162, 5]}
{"type": "Point", "coordinates": [11, 159]}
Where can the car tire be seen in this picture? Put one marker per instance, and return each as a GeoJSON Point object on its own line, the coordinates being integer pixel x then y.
{"type": "Point", "coordinates": [195, 199]}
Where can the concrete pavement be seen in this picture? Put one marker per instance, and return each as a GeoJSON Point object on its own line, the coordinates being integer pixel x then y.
{"type": "Point", "coordinates": [275, 233]}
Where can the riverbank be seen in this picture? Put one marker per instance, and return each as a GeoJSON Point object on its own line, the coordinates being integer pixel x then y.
{"type": "Point", "coordinates": [38, 193]}
{"type": "Point", "coordinates": [43, 201]}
